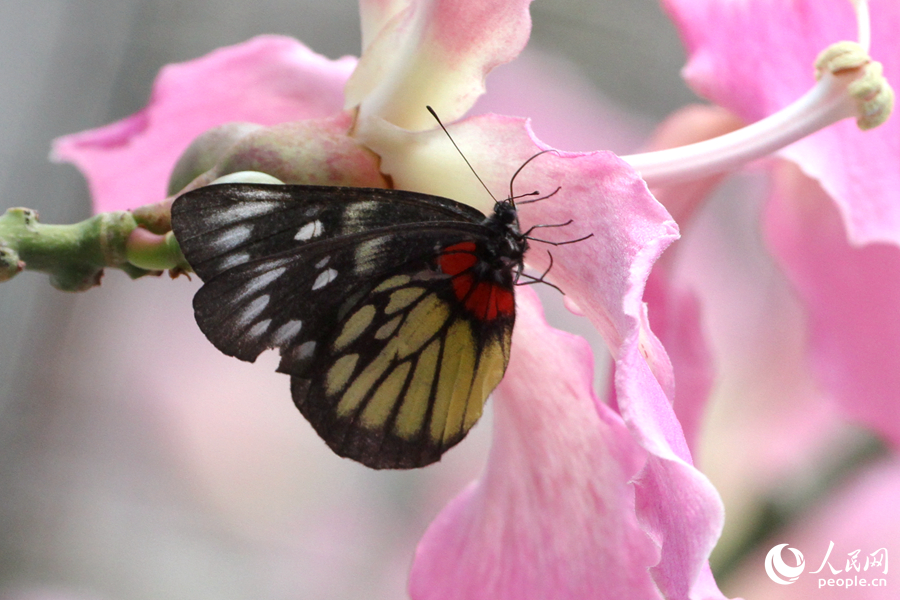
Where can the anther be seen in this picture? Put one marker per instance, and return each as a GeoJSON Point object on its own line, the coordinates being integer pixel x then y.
{"type": "Point", "coordinates": [871, 92]}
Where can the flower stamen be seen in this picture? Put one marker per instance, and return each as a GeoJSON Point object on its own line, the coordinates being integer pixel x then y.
{"type": "Point", "coordinates": [871, 91]}
{"type": "Point", "coordinates": [863, 24]}
{"type": "Point", "coordinates": [850, 85]}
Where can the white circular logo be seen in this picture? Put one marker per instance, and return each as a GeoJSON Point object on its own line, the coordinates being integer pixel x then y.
{"type": "Point", "coordinates": [776, 567]}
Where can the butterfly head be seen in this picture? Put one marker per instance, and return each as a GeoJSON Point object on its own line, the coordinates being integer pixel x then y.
{"type": "Point", "coordinates": [507, 249]}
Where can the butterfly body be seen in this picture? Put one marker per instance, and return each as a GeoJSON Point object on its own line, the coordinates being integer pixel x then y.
{"type": "Point", "coordinates": [392, 310]}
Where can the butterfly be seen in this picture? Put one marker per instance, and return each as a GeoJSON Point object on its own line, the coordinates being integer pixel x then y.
{"type": "Point", "coordinates": [392, 310]}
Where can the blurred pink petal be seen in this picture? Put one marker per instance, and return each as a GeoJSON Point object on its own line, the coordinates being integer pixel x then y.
{"type": "Point", "coordinates": [848, 291]}
{"type": "Point", "coordinates": [688, 125]}
{"type": "Point", "coordinates": [267, 80]}
{"type": "Point", "coordinates": [675, 315]}
{"type": "Point", "coordinates": [553, 514]}
{"type": "Point", "coordinates": [590, 120]}
{"type": "Point", "coordinates": [756, 57]}
{"type": "Point", "coordinates": [852, 297]}
{"type": "Point", "coordinates": [436, 53]}
{"type": "Point", "coordinates": [861, 517]}
{"type": "Point", "coordinates": [674, 307]}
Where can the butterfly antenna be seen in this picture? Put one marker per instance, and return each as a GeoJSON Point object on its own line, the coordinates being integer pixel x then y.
{"type": "Point", "coordinates": [519, 170]}
{"type": "Point", "coordinates": [471, 168]}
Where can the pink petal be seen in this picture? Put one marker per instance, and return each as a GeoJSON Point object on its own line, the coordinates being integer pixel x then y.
{"type": "Point", "coordinates": [765, 396]}
{"type": "Point", "coordinates": [674, 307]}
{"type": "Point", "coordinates": [675, 316]}
{"type": "Point", "coordinates": [604, 275]}
{"type": "Point", "coordinates": [861, 517]}
{"type": "Point", "coordinates": [756, 57]}
{"type": "Point", "coordinates": [553, 515]}
{"type": "Point", "coordinates": [589, 121]}
{"type": "Point", "coordinates": [267, 80]}
{"type": "Point", "coordinates": [851, 295]}
{"type": "Point", "coordinates": [436, 53]}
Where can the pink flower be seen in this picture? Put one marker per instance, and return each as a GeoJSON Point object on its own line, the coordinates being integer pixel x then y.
{"type": "Point", "coordinates": [580, 499]}
{"type": "Point", "coordinates": [834, 229]}
{"type": "Point", "coordinates": [807, 338]}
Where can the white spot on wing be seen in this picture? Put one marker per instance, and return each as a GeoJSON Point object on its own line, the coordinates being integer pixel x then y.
{"type": "Point", "coordinates": [287, 332]}
{"type": "Point", "coordinates": [269, 265]}
{"type": "Point", "coordinates": [260, 328]}
{"type": "Point", "coordinates": [233, 260]}
{"type": "Point", "coordinates": [304, 350]}
{"type": "Point", "coordinates": [242, 211]}
{"type": "Point", "coordinates": [368, 255]}
{"type": "Point", "coordinates": [252, 310]}
{"type": "Point", "coordinates": [357, 211]}
{"type": "Point", "coordinates": [324, 278]}
{"type": "Point", "coordinates": [230, 238]}
{"type": "Point", "coordinates": [258, 283]}
{"type": "Point", "coordinates": [323, 262]}
{"type": "Point", "coordinates": [309, 231]}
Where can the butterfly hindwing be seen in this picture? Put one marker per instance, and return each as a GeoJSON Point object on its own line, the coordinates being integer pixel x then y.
{"type": "Point", "coordinates": [405, 375]}
{"type": "Point", "coordinates": [391, 345]}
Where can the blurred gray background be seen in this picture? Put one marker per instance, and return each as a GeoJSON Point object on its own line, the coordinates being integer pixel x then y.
{"type": "Point", "coordinates": [107, 492]}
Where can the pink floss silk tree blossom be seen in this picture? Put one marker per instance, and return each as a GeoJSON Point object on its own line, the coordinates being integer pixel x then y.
{"type": "Point", "coordinates": [580, 499]}
{"type": "Point", "coordinates": [754, 66]}
{"type": "Point", "coordinates": [830, 224]}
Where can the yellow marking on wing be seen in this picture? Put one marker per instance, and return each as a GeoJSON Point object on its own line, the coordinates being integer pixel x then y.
{"type": "Point", "coordinates": [415, 402]}
{"type": "Point", "coordinates": [354, 327]}
{"type": "Point", "coordinates": [491, 366]}
{"type": "Point", "coordinates": [385, 331]}
{"type": "Point", "coordinates": [455, 383]}
{"type": "Point", "coordinates": [368, 255]}
{"type": "Point", "coordinates": [379, 407]}
{"type": "Point", "coordinates": [421, 324]}
{"type": "Point", "coordinates": [393, 282]}
{"type": "Point", "coordinates": [403, 298]}
{"type": "Point", "coordinates": [364, 382]}
{"type": "Point", "coordinates": [339, 373]}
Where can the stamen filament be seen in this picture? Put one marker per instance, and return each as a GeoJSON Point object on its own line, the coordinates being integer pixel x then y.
{"type": "Point", "coordinates": [826, 103]}
{"type": "Point", "coordinates": [850, 85]}
{"type": "Point", "coordinates": [863, 24]}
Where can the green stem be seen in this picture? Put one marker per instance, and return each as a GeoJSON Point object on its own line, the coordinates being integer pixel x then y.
{"type": "Point", "coordinates": [73, 255]}
{"type": "Point", "coordinates": [156, 252]}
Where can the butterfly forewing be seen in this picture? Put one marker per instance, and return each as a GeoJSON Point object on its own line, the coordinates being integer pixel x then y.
{"type": "Point", "coordinates": [376, 300]}
{"type": "Point", "coordinates": [224, 226]}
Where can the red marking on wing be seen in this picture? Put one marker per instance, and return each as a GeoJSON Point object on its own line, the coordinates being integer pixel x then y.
{"type": "Point", "coordinates": [461, 285]}
{"type": "Point", "coordinates": [479, 301]}
{"type": "Point", "coordinates": [484, 299]}
{"type": "Point", "coordinates": [457, 258]}
{"type": "Point", "coordinates": [504, 301]}
{"type": "Point", "coordinates": [488, 301]}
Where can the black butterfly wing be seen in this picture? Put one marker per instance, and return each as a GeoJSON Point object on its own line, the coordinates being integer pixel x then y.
{"type": "Point", "coordinates": [390, 361]}
{"type": "Point", "coordinates": [227, 225]}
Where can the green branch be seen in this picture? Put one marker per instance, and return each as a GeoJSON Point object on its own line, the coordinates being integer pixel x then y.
{"type": "Point", "coordinates": [75, 255]}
